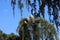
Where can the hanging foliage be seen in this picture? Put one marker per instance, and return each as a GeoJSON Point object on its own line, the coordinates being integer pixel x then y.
{"type": "Point", "coordinates": [54, 4]}
{"type": "Point", "coordinates": [13, 3]}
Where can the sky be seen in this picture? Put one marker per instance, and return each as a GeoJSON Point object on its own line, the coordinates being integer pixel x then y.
{"type": "Point", "coordinates": [9, 23]}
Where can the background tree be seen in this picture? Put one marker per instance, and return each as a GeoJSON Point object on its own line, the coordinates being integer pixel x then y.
{"type": "Point", "coordinates": [3, 36]}
{"type": "Point", "coordinates": [10, 36]}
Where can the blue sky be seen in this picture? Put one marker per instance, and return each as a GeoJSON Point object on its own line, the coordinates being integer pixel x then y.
{"type": "Point", "coordinates": [9, 23]}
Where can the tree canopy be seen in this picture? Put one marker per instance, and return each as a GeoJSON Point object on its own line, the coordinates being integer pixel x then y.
{"type": "Point", "coordinates": [40, 28]}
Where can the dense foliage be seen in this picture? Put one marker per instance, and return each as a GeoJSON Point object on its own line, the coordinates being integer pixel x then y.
{"type": "Point", "coordinates": [4, 36]}
{"type": "Point", "coordinates": [36, 29]}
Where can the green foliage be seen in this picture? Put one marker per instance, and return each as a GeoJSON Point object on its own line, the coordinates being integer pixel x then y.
{"type": "Point", "coordinates": [13, 3]}
{"type": "Point", "coordinates": [40, 27]}
{"type": "Point", "coordinates": [11, 36]}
